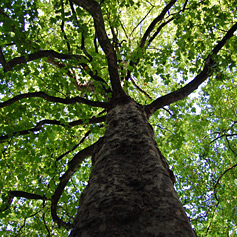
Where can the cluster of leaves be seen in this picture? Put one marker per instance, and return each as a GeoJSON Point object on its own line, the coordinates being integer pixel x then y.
{"type": "Point", "coordinates": [201, 148]}
{"type": "Point", "coordinates": [40, 137]}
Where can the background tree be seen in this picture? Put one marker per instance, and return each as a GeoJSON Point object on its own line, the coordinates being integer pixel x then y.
{"type": "Point", "coordinates": [62, 65]}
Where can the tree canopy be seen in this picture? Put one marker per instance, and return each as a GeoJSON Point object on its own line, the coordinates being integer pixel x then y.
{"type": "Point", "coordinates": [61, 64]}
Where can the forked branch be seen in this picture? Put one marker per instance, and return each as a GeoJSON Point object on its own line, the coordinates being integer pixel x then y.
{"type": "Point", "coordinates": [196, 82]}
{"type": "Point", "coordinates": [147, 38]}
{"type": "Point", "coordinates": [94, 9]}
{"type": "Point", "coordinates": [155, 21]}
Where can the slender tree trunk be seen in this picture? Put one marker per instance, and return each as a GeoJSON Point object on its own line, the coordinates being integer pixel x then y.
{"type": "Point", "coordinates": [130, 191]}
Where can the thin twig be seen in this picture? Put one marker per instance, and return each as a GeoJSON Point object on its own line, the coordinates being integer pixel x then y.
{"type": "Point", "coordinates": [140, 89]}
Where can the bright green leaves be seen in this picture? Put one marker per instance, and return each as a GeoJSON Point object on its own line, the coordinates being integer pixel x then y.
{"type": "Point", "coordinates": [201, 148]}
{"type": "Point", "coordinates": [196, 135]}
{"type": "Point", "coordinates": [198, 31]}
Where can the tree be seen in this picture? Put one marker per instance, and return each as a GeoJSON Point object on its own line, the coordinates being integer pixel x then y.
{"type": "Point", "coordinates": [79, 81]}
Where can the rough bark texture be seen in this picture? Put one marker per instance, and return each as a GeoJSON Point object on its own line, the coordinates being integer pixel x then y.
{"type": "Point", "coordinates": [130, 191]}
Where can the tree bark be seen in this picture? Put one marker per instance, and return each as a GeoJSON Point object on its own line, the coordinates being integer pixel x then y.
{"type": "Point", "coordinates": [130, 191]}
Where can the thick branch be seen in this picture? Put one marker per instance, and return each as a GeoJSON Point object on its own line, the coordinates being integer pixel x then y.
{"type": "Point", "coordinates": [40, 124]}
{"type": "Point", "coordinates": [37, 55]}
{"type": "Point", "coordinates": [47, 97]}
{"type": "Point", "coordinates": [196, 82]}
{"type": "Point", "coordinates": [73, 166]}
{"type": "Point", "coordinates": [27, 195]}
{"type": "Point", "coordinates": [94, 9]}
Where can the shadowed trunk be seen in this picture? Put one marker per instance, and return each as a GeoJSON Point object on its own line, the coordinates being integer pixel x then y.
{"type": "Point", "coordinates": [130, 191]}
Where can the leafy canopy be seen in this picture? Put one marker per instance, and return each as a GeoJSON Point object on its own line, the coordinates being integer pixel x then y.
{"type": "Point", "coordinates": [58, 74]}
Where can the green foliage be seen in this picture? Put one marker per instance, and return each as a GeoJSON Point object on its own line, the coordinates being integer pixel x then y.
{"type": "Point", "coordinates": [201, 148]}
{"type": "Point", "coordinates": [197, 134]}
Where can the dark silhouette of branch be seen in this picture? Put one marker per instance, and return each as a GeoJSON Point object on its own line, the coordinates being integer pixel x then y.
{"type": "Point", "coordinates": [43, 217]}
{"type": "Point", "coordinates": [73, 166]}
{"type": "Point", "coordinates": [83, 47]}
{"type": "Point", "coordinates": [218, 180]}
{"type": "Point", "coordinates": [37, 55]}
{"type": "Point", "coordinates": [75, 147]}
{"type": "Point", "coordinates": [27, 195]}
{"type": "Point", "coordinates": [159, 30]}
{"type": "Point", "coordinates": [45, 224]}
{"type": "Point", "coordinates": [20, 194]}
{"type": "Point", "coordinates": [62, 28]}
{"type": "Point", "coordinates": [94, 75]}
{"type": "Point", "coordinates": [224, 132]}
{"type": "Point", "coordinates": [3, 60]}
{"type": "Point", "coordinates": [124, 30]}
{"type": "Point", "coordinates": [152, 7]}
{"type": "Point", "coordinates": [116, 43]}
{"type": "Point", "coordinates": [24, 223]}
{"type": "Point", "coordinates": [196, 82]}
{"type": "Point", "coordinates": [223, 135]}
{"type": "Point", "coordinates": [147, 34]}
{"type": "Point", "coordinates": [140, 89]}
{"type": "Point", "coordinates": [82, 33]}
{"type": "Point", "coordinates": [94, 9]}
{"type": "Point", "coordinates": [47, 97]}
{"type": "Point", "coordinates": [185, 4]}
{"type": "Point", "coordinates": [155, 21]}
{"type": "Point", "coordinates": [230, 146]}
{"type": "Point", "coordinates": [51, 55]}
{"type": "Point", "coordinates": [95, 44]}
{"type": "Point", "coordinates": [145, 40]}
{"type": "Point", "coordinates": [40, 124]}
{"type": "Point", "coordinates": [81, 141]}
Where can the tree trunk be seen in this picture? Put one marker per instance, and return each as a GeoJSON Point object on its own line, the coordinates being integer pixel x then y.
{"type": "Point", "coordinates": [130, 191]}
